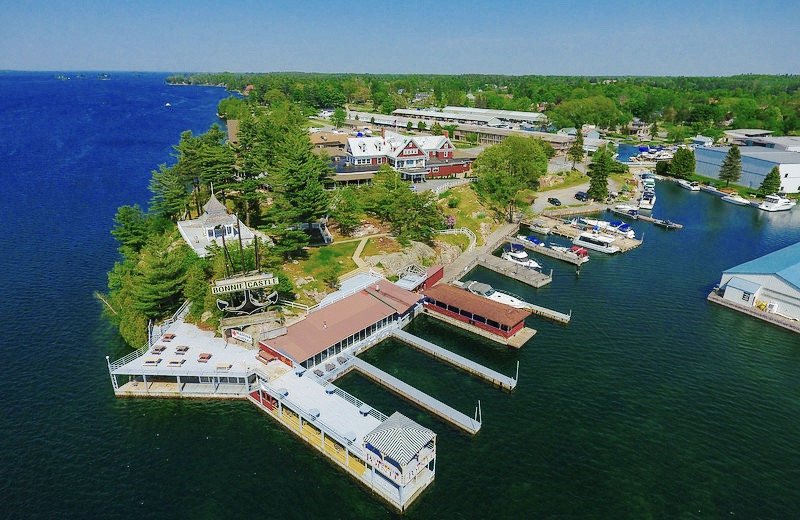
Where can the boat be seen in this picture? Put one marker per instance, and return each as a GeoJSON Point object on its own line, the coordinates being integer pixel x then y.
{"type": "Point", "coordinates": [488, 292]}
{"type": "Point", "coordinates": [574, 251]}
{"type": "Point", "coordinates": [617, 227]}
{"type": "Point", "coordinates": [515, 253]}
{"type": "Point", "coordinates": [648, 200]}
{"type": "Point", "coordinates": [540, 226]}
{"type": "Point", "coordinates": [776, 203]}
{"type": "Point", "coordinates": [735, 198]}
{"type": "Point", "coordinates": [626, 210]}
{"type": "Point", "coordinates": [668, 224]}
{"type": "Point", "coordinates": [530, 238]}
{"type": "Point", "coordinates": [596, 242]}
{"type": "Point", "coordinates": [689, 185]}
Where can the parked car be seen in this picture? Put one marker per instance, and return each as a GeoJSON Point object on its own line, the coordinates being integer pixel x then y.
{"type": "Point", "coordinates": [554, 201]}
{"type": "Point", "coordinates": [582, 196]}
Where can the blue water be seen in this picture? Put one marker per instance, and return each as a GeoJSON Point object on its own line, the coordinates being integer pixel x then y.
{"type": "Point", "coordinates": [651, 403]}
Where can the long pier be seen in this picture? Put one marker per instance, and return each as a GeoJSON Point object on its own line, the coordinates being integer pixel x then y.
{"type": "Point", "coordinates": [437, 352]}
{"type": "Point", "coordinates": [515, 271]}
{"type": "Point", "coordinates": [446, 412]}
{"type": "Point", "coordinates": [552, 253]}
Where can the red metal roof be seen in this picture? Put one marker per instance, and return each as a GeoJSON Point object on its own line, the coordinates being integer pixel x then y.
{"type": "Point", "coordinates": [472, 303]}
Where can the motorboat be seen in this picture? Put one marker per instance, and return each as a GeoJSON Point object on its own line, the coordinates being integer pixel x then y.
{"type": "Point", "coordinates": [776, 203]}
{"type": "Point", "coordinates": [596, 242]}
{"type": "Point", "coordinates": [530, 238]}
{"type": "Point", "coordinates": [735, 198]}
{"type": "Point", "coordinates": [668, 224]}
{"type": "Point", "coordinates": [648, 200]}
{"type": "Point", "coordinates": [617, 227]}
{"type": "Point", "coordinates": [574, 251]}
{"type": "Point", "coordinates": [689, 185]}
{"type": "Point", "coordinates": [488, 292]}
{"type": "Point", "coordinates": [515, 253]}
{"type": "Point", "coordinates": [540, 226]}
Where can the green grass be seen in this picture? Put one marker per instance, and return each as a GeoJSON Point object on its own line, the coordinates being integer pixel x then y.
{"type": "Point", "coordinates": [459, 240]}
{"type": "Point", "coordinates": [570, 179]}
{"type": "Point", "coordinates": [469, 213]}
{"type": "Point", "coordinates": [321, 257]}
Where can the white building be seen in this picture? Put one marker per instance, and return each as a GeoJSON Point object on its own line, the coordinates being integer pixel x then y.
{"type": "Point", "coordinates": [770, 283]}
{"type": "Point", "coordinates": [211, 226]}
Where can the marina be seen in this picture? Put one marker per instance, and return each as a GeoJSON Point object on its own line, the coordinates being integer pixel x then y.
{"type": "Point", "coordinates": [550, 252]}
{"type": "Point", "coordinates": [572, 228]}
{"type": "Point", "coordinates": [517, 272]}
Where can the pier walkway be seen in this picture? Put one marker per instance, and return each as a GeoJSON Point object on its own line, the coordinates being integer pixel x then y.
{"type": "Point", "coordinates": [514, 271]}
{"type": "Point", "coordinates": [418, 397]}
{"type": "Point", "coordinates": [437, 352]}
{"type": "Point", "coordinates": [552, 253]}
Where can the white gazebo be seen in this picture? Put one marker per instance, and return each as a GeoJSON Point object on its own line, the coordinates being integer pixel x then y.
{"type": "Point", "coordinates": [211, 226]}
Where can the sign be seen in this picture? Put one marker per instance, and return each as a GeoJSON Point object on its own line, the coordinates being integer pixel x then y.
{"type": "Point", "coordinates": [243, 284]}
{"type": "Point", "coordinates": [238, 334]}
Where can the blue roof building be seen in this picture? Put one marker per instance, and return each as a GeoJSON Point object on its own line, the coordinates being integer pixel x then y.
{"type": "Point", "coordinates": [770, 283]}
{"type": "Point", "coordinates": [757, 161]}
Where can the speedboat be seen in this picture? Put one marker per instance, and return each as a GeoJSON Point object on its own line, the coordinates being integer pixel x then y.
{"type": "Point", "coordinates": [486, 290]}
{"type": "Point", "coordinates": [596, 242]}
{"type": "Point", "coordinates": [574, 251]}
{"type": "Point", "coordinates": [735, 198]}
{"type": "Point", "coordinates": [668, 224]}
{"type": "Point", "coordinates": [618, 227]}
{"type": "Point", "coordinates": [530, 238]}
{"type": "Point", "coordinates": [648, 200]}
{"type": "Point", "coordinates": [776, 203]}
{"type": "Point", "coordinates": [515, 253]}
{"type": "Point", "coordinates": [540, 226]}
{"type": "Point", "coordinates": [689, 185]}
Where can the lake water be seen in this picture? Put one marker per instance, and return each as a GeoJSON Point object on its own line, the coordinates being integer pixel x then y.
{"type": "Point", "coordinates": [651, 403]}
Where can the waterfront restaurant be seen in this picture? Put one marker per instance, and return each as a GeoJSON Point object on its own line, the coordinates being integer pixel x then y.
{"type": "Point", "coordinates": [336, 327]}
{"type": "Point", "coordinates": [475, 310]}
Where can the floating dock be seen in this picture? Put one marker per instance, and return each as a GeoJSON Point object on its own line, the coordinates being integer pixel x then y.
{"type": "Point", "coordinates": [437, 352]}
{"type": "Point", "coordinates": [418, 397]}
{"type": "Point", "coordinates": [515, 271]}
{"type": "Point", "coordinates": [561, 228]}
{"type": "Point", "coordinates": [552, 253]}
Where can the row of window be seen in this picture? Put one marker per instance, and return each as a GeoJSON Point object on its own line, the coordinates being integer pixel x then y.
{"type": "Point", "coordinates": [347, 342]}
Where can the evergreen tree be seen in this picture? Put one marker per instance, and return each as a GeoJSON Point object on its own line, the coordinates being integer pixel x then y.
{"type": "Point", "coordinates": [771, 183]}
{"type": "Point", "coordinates": [682, 164]}
{"type": "Point", "coordinates": [131, 229]}
{"type": "Point", "coordinates": [347, 210]}
{"type": "Point", "coordinates": [436, 129]}
{"type": "Point", "coordinates": [338, 117]}
{"type": "Point", "coordinates": [575, 151]}
{"type": "Point", "coordinates": [170, 192]}
{"type": "Point", "coordinates": [731, 169]}
{"type": "Point", "coordinates": [600, 168]}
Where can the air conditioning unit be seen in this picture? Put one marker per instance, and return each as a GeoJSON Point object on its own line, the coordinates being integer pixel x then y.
{"type": "Point", "coordinates": [772, 307]}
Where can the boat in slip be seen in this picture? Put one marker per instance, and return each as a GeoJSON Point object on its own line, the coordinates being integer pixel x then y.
{"type": "Point", "coordinates": [596, 242]}
{"type": "Point", "coordinates": [648, 200]}
{"type": "Point", "coordinates": [574, 251]}
{"type": "Point", "coordinates": [626, 210]}
{"type": "Point", "coordinates": [735, 198]}
{"type": "Point", "coordinates": [540, 226]}
{"type": "Point", "coordinates": [488, 292]}
{"type": "Point", "coordinates": [515, 253]}
{"type": "Point", "coordinates": [530, 238]}
{"type": "Point", "coordinates": [617, 227]}
{"type": "Point", "coordinates": [776, 203]}
{"type": "Point", "coordinates": [689, 185]}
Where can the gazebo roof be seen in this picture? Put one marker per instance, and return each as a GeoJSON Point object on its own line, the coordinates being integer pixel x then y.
{"type": "Point", "coordinates": [215, 214]}
{"type": "Point", "coordinates": [399, 438]}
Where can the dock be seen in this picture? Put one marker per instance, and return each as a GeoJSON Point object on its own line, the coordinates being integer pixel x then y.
{"type": "Point", "coordinates": [560, 228]}
{"type": "Point", "coordinates": [516, 340]}
{"type": "Point", "coordinates": [515, 271]}
{"type": "Point", "coordinates": [446, 412]}
{"type": "Point", "coordinates": [437, 352]}
{"type": "Point", "coordinates": [552, 253]}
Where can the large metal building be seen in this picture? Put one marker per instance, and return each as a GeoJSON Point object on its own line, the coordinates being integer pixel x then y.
{"type": "Point", "coordinates": [757, 161]}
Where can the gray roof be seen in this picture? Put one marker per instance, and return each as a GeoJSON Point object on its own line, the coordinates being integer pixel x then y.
{"type": "Point", "coordinates": [784, 263]}
{"type": "Point", "coordinates": [759, 152]}
{"type": "Point", "coordinates": [215, 214]}
{"type": "Point", "coordinates": [399, 438]}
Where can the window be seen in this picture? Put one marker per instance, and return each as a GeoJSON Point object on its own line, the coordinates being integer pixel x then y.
{"type": "Point", "coordinates": [435, 169]}
{"type": "Point", "coordinates": [746, 296]}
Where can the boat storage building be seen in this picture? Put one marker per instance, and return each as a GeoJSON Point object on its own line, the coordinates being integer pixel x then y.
{"type": "Point", "coordinates": [770, 283]}
{"type": "Point", "coordinates": [757, 161]}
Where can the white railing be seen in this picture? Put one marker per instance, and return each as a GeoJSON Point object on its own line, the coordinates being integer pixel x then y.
{"type": "Point", "coordinates": [179, 315]}
{"type": "Point", "coordinates": [462, 231]}
{"type": "Point", "coordinates": [452, 184]}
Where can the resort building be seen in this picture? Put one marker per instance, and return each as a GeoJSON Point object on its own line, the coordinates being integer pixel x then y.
{"type": "Point", "coordinates": [210, 228]}
{"type": "Point", "coordinates": [757, 161]}
{"type": "Point", "coordinates": [334, 328]}
{"type": "Point", "coordinates": [505, 116]}
{"type": "Point", "coordinates": [493, 317]}
{"type": "Point", "coordinates": [770, 284]}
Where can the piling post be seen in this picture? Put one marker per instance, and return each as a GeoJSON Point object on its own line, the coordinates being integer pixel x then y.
{"type": "Point", "coordinates": [516, 378]}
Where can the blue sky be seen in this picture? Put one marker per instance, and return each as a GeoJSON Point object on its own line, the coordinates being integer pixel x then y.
{"type": "Point", "coordinates": [612, 37]}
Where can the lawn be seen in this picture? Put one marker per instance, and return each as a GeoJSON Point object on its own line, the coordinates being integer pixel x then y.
{"type": "Point", "coordinates": [459, 240]}
{"type": "Point", "coordinates": [469, 212]}
{"type": "Point", "coordinates": [315, 264]}
{"type": "Point", "coordinates": [570, 178]}
{"type": "Point", "coordinates": [381, 246]}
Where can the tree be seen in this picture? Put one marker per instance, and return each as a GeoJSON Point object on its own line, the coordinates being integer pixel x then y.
{"type": "Point", "coordinates": [436, 129]}
{"type": "Point", "coordinates": [575, 151]}
{"type": "Point", "coordinates": [409, 126]}
{"type": "Point", "coordinates": [421, 126]}
{"type": "Point", "coordinates": [654, 130]}
{"type": "Point", "coordinates": [170, 192]}
{"type": "Point", "coordinates": [731, 169]}
{"type": "Point", "coordinates": [505, 169]}
{"type": "Point", "coordinates": [682, 164]}
{"type": "Point", "coordinates": [771, 183]}
{"type": "Point", "coordinates": [338, 117]}
{"type": "Point", "coordinates": [131, 229]}
{"type": "Point", "coordinates": [601, 167]}
{"type": "Point", "coordinates": [347, 210]}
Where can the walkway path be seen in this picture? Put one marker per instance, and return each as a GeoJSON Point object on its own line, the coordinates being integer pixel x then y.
{"type": "Point", "coordinates": [459, 266]}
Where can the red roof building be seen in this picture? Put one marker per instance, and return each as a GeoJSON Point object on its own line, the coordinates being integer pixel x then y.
{"type": "Point", "coordinates": [475, 310]}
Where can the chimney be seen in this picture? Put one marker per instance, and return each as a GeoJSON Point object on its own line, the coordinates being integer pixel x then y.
{"type": "Point", "coordinates": [446, 133]}
{"type": "Point", "coordinates": [383, 133]}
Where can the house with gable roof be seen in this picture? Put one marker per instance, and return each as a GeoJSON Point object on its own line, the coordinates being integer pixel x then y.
{"type": "Point", "coordinates": [210, 227]}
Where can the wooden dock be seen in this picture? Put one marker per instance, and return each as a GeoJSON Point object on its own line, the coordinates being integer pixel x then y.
{"type": "Point", "coordinates": [515, 271]}
{"type": "Point", "coordinates": [546, 251]}
{"type": "Point", "coordinates": [560, 228]}
{"type": "Point", "coordinates": [437, 352]}
{"type": "Point", "coordinates": [516, 340]}
{"type": "Point", "coordinates": [446, 412]}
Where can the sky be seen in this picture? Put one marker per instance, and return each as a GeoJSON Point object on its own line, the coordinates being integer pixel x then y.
{"type": "Point", "coordinates": [554, 37]}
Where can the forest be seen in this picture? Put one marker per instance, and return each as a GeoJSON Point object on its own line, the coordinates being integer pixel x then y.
{"type": "Point", "coordinates": [682, 106]}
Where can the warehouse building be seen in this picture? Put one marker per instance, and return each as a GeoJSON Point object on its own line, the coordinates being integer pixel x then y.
{"type": "Point", "coordinates": [757, 161]}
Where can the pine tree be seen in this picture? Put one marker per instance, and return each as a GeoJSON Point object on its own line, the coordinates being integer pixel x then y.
{"type": "Point", "coordinates": [682, 164]}
{"type": "Point", "coordinates": [771, 183]}
{"type": "Point", "coordinates": [575, 151]}
{"type": "Point", "coordinates": [731, 169]}
{"type": "Point", "coordinates": [600, 168]}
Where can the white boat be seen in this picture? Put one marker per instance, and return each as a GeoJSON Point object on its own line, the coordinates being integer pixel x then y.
{"type": "Point", "coordinates": [486, 290]}
{"type": "Point", "coordinates": [776, 203]}
{"type": "Point", "coordinates": [574, 251]}
{"type": "Point", "coordinates": [539, 226]}
{"type": "Point", "coordinates": [515, 253]}
{"type": "Point", "coordinates": [735, 198]}
{"type": "Point", "coordinates": [689, 185]}
{"type": "Point", "coordinates": [530, 238]}
{"type": "Point", "coordinates": [617, 227]}
{"type": "Point", "coordinates": [648, 200]}
{"type": "Point", "coordinates": [596, 242]}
